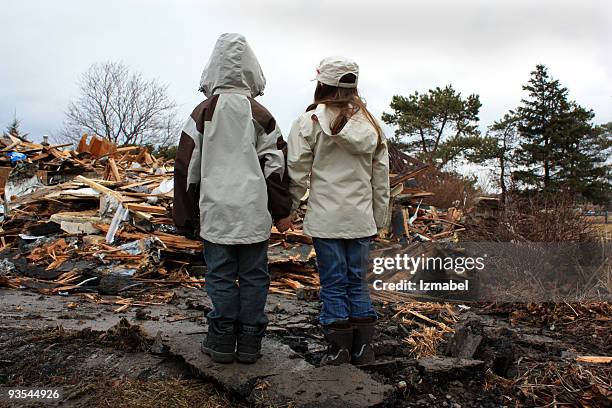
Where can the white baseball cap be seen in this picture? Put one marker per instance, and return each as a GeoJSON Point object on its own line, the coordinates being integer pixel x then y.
{"type": "Point", "coordinates": [331, 69]}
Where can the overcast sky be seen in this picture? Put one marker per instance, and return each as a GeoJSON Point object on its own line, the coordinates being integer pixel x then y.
{"type": "Point", "coordinates": [484, 47]}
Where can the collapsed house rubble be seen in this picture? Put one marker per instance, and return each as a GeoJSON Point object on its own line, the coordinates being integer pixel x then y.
{"type": "Point", "coordinates": [90, 232]}
{"type": "Point", "coordinates": [97, 220]}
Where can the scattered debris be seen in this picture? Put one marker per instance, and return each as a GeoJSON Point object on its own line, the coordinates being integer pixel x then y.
{"type": "Point", "coordinates": [594, 359]}
{"type": "Point", "coordinates": [111, 207]}
{"type": "Point", "coordinates": [126, 336]}
{"type": "Point", "coordinates": [95, 224]}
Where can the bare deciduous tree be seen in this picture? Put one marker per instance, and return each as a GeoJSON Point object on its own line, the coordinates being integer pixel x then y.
{"type": "Point", "coordinates": [122, 106]}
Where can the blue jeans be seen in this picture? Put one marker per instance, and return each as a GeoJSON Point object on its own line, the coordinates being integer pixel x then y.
{"type": "Point", "coordinates": [342, 265]}
{"type": "Point", "coordinates": [245, 301]}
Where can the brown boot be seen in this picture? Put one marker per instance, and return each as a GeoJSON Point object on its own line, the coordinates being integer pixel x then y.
{"type": "Point", "coordinates": [339, 336]}
{"type": "Point", "coordinates": [363, 332]}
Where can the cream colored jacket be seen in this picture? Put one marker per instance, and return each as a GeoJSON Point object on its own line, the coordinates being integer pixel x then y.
{"type": "Point", "coordinates": [229, 164]}
{"type": "Point", "coordinates": [348, 172]}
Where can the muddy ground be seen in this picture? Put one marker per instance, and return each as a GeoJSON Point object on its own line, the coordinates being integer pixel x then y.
{"type": "Point", "coordinates": [484, 355]}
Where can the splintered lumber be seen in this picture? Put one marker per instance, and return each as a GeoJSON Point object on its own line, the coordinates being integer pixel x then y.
{"type": "Point", "coordinates": [291, 283]}
{"type": "Point", "coordinates": [127, 149]}
{"type": "Point", "coordinates": [164, 281]}
{"type": "Point", "coordinates": [416, 193]}
{"type": "Point", "coordinates": [97, 146]}
{"type": "Point", "coordinates": [57, 146]}
{"type": "Point", "coordinates": [400, 178]}
{"type": "Point", "coordinates": [103, 238]}
{"type": "Point", "coordinates": [136, 184]}
{"type": "Point", "coordinates": [99, 187]}
{"type": "Point", "coordinates": [594, 359]}
{"type": "Point", "coordinates": [147, 208]}
{"type": "Point", "coordinates": [172, 241]}
{"type": "Point", "coordinates": [274, 289]}
{"type": "Point", "coordinates": [121, 234]}
{"type": "Point", "coordinates": [441, 325]}
{"type": "Point", "coordinates": [122, 308]}
{"type": "Point", "coordinates": [177, 241]}
{"type": "Point", "coordinates": [446, 233]}
{"type": "Point", "coordinates": [40, 156]}
{"type": "Point", "coordinates": [11, 146]}
{"type": "Point", "coordinates": [9, 283]}
{"type": "Point", "coordinates": [297, 236]}
{"type": "Point", "coordinates": [291, 236]}
{"type": "Point", "coordinates": [114, 169]}
{"type": "Point", "coordinates": [439, 220]}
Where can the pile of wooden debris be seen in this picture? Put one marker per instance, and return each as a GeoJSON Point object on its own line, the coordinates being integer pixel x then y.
{"type": "Point", "coordinates": [411, 220]}
{"type": "Point", "coordinates": [98, 219]}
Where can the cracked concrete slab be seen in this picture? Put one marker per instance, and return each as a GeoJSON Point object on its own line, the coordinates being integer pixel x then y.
{"type": "Point", "coordinates": [286, 376]}
{"type": "Point", "coordinates": [327, 386]}
{"type": "Point", "coordinates": [277, 359]}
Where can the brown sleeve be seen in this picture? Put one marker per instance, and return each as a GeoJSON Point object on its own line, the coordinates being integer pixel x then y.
{"type": "Point", "coordinates": [279, 200]}
{"type": "Point", "coordinates": [185, 211]}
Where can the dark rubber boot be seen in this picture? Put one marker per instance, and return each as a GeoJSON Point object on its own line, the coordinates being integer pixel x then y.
{"type": "Point", "coordinates": [220, 342]}
{"type": "Point", "coordinates": [249, 343]}
{"type": "Point", "coordinates": [363, 332]}
{"type": "Point", "coordinates": [339, 336]}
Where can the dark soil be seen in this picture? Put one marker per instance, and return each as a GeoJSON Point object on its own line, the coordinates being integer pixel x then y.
{"type": "Point", "coordinates": [94, 369]}
{"type": "Point", "coordinates": [493, 355]}
{"type": "Point", "coordinates": [524, 350]}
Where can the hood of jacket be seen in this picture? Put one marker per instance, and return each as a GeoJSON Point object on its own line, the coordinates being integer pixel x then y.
{"type": "Point", "coordinates": [358, 136]}
{"type": "Point", "coordinates": [232, 67]}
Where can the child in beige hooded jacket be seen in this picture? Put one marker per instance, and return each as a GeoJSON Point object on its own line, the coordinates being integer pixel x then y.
{"type": "Point", "coordinates": [229, 186]}
{"type": "Point", "coordinates": [340, 148]}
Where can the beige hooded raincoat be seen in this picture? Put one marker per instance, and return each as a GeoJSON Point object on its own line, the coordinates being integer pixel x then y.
{"type": "Point", "coordinates": [229, 174]}
{"type": "Point", "coordinates": [348, 172]}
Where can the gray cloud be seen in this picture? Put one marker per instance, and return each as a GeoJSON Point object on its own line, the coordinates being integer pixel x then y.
{"type": "Point", "coordinates": [482, 47]}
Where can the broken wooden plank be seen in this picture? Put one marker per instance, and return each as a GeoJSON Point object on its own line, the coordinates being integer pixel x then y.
{"type": "Point", "coordinates": [408, 175]}
{"type": "Point", "coordinates": [147, 208]}
{"type": "Point", "coordinates": [114, 169]}
{"type": "Point", "coordinates": [99, 187]}
{"type": "Point", "coordinates": [594, 359]}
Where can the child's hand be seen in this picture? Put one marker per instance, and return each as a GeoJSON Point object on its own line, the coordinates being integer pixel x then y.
{"type": "Point", "coordinates": [285, 224]}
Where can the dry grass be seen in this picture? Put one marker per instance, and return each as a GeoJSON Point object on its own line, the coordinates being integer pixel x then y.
{"type": "Point", "coordinates": [600, 228]}
{"type": "Point", "coordinates": [432, 321]}
{"type": "Point", "coordinates": [126, 336]}
{"type": "Point", "coordinates": [163, 393]}
{"type": "Point", "coordinates": [551, 218]}
{"type": "Point", "coordinates": [553, 384]}
{"type": "Point", "coordinates": [425, 343]}
{"type": "Point", "coordinates": [535, 218]}
{"type": "Point", "coordinates": [598, 219]}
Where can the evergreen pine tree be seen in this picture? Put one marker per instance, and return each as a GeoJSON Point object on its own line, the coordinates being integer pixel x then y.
{"type": "Point", "coordinates": [559, 148]}
{"type": "Point", "coordinates": [539, 122]}
{"type": "Point", "coordinates": [13, 127]}
{"type": "Point", "coordinates": [438, 127]}
{"type": "Point", "coordinates": [503, 137]}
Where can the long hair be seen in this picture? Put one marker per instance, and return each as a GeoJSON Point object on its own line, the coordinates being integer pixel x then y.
{"type": "Point", "coordinates": [346, 100]}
